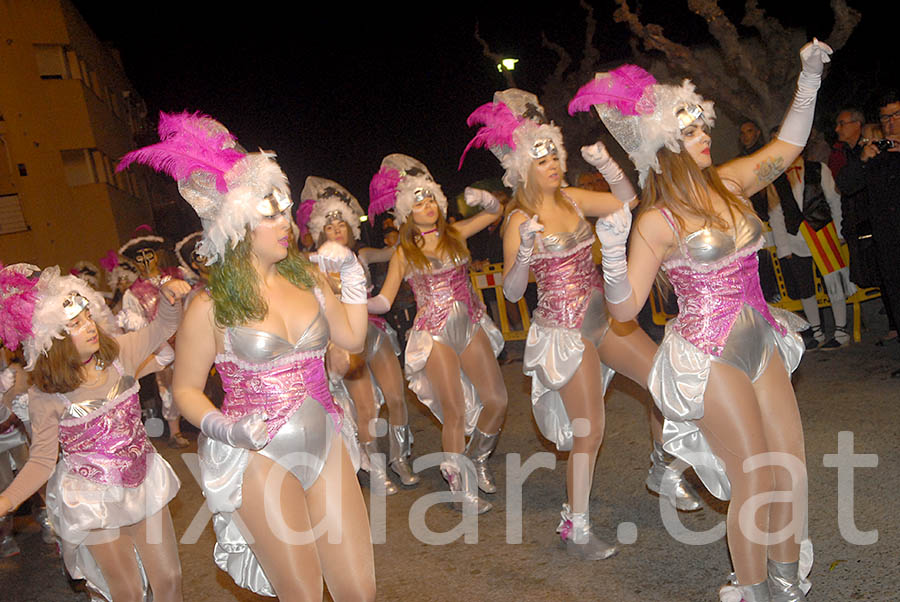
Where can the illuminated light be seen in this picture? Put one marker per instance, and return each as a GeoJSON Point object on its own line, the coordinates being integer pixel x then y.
{"type": "Point", "coordinates": [363, 218]}
{"type": "Point", "coordinates": [508, 64]}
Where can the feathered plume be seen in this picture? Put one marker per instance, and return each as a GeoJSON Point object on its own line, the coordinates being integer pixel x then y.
{"type": "Point", "coordinates": [301, 216]}
{"type": "Point", "coordinates": [109, 261]}
{"type": "Point", "coordinates": [188, 143]}
{"type": "Point", "coordinates": [383, 191]}
{"type": "Point", "coordinates": [622, 90]}
{"type": "Point", "coordinates": [17, 300]}
{"type": "Point", "coordinates": [499, 123]}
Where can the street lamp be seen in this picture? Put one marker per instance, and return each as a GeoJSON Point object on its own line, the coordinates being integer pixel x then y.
{"type": "Point", "coordinates": [508, 64]}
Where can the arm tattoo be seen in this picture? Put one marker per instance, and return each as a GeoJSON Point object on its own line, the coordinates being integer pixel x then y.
{"type": "Point", "coordinates": [768, 170]}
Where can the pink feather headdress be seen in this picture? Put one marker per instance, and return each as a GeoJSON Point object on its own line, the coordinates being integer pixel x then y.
{"type": "Point", "coordinates": [188, 144]}
{"type": "Point", "coordinates": [301, 216]}
{"type": "Point", "coordinates": [625, 90]}
{"type": "Point", "coordinates": [383, 191]}
{"type": "Point", "coordinates": [17, 300]}
{"type": "Point", "coordinates": [498, 123]}
{"type": "Point", "coordinates": [109, 261]}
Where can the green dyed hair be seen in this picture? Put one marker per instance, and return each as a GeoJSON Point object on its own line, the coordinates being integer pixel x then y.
{"type": "Point", "coordinates": [234, 283]}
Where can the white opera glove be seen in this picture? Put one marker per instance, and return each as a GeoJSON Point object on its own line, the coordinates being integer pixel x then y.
{"type": "Point", "coordinates": [476, 197]}
{"type": "Point", "coordinates": [798, 122]}
{"type": "Point", "coordinates": [165, 355]}
{"type": "Point", "coordinates": [612, 231]}
{"type": "Point", "coordinates": [248, 432]}
{"type": "Point", "coordinates": [7, 380]}
{"type": "Point", "coordinates": [378, 305]}
{"type": "Point", "coordinates": [333, 257]}
{"type": "Point", "coordinates": [597, 155]}
{"type": "Point", "coordinates": [516, 280]}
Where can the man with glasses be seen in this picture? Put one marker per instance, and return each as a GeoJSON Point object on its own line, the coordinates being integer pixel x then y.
{"type": "Point", "coordinates": [879, 171]}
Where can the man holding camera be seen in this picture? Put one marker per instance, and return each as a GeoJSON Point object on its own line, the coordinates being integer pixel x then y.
{"type": "Point", "coordinates": [879, 171]}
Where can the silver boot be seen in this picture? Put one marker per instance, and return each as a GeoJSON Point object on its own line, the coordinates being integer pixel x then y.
{"type": "Point", "coordinates": [758, 592]}
{"type": "Point", "coordinates": [460, 475]}
{"type": "Point", "coordinates": [401, 447]}
{"type": "Point", "coordinates": [8, 545]}
{"type": "Point", "coordinates": [663, 480]}
{"type": "Point", "coordinates": [377, 469]}
{"type": "Point", "coordinates": [479, 449]}
{"type": "Point", "coordinates": [41, 518]}
{"type": "Point", "coordinates": [784, 582]}
{"type": "Point", "coordinates": [575, 531]}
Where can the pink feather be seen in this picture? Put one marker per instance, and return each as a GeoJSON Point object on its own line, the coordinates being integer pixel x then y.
{"type": "Point", "coordinates": [383, 191]}
{"type": "Point", "coordinates": [498, 125]}
{"type": "Point", "coordinates": [109, 261]}
{"type": "Point", "coordinates": [187, 145]}
{"type": "Point", "coordinates": [622, 90]}
{"type": "Point", "coordinates": [301, 216]}
{"type": "Point", "coordinates": [17, 300]}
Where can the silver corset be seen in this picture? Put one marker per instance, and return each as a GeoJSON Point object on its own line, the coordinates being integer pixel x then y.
{"type": "Point", "coordinates": [709, 245]}
{"type": "Point", "coordinates": [563, 241]}
{"type": "Point", "coordinates": [83, 408]}
{"type": "Point", "coordinates": [258, 346]}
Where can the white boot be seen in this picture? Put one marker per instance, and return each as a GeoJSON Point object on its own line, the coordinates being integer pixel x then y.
{"type": "Point", "coordinates": [575, 531]}
{"type": "Point", "coordinates": [664, 480]}
{"type": "Point", "coordinates": [460, 475]}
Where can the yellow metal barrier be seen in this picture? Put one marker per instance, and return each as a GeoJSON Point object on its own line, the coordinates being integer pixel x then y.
{"type": "Point", "coordinates": [492, 278]}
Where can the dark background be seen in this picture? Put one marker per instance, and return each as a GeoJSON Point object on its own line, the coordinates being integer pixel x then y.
{"type": "Point", "coordinates": [333, 90]}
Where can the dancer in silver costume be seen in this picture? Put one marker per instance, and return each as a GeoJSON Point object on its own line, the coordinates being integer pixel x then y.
{"type": "Point", "coordinates": [572, 350]}
{"type": "Point", "coordinates": [274, 456]}
{"type": "Point", "coordinates": [722, 373]}
{"type": "Point", "coordinates": [452, 348]}
{"type": "Point", "coordinates": [372, 378]}
{"type": "Point", "coordinates": [110, 489]}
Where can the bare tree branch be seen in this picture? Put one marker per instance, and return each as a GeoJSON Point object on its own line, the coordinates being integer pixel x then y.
{"type": "Point", "coordinates": [496, 58]}
{"type": "Point", "coordinates": [776, 40]}
{"type": "Point", "coordinates": [845, 21]}
{"type": "Point", "coordinates": [591, 54]}
{"type": "Point", "coordinates": [564, 59]}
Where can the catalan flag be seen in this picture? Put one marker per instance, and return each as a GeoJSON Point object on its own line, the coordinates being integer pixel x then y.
{"type": "Point", "coordinates": [827, 251]}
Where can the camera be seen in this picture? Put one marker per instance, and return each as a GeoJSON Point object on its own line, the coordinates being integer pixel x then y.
{"type": "Point", "coordinates": [884, 144]}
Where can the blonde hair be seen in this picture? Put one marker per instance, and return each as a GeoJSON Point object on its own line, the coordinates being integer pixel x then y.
{"type": "Point", "coordinates": [526, 197]}
{"type": "Point", "coordinates": [684, 189]}
{"type": "Point", "coordinates": [449, 242]}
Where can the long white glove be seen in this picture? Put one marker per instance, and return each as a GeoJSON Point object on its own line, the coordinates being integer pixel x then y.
{"type": "Point", "coordinates": [248, 433]}
{"type": "Point", "coordinates": [378, 305]}
{"type": "Point", "coordinates": [597, 155]}
{"type": "Point", "coordinates": [333, 257]}
{"type": "Point", "coordinates": [476, 197]}
{"type": "Point", "coordinates": [798, 122]}
{"type": "Point", "coordinates": [516, 280]}
{"type": "Point", "coordinates": [612, 231]}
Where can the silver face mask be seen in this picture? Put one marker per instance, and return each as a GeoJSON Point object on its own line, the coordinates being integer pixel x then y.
{"type": "Point", "coordinates": [73, 305]}
{"type": "Point", "coordinates": [688, 114]}
{"type": "Point", "coordinates": [421, 194]}
{"type": "Point", "coordinates": [541, 148]}
{"type": "Point", "coordinates": [274, 203]}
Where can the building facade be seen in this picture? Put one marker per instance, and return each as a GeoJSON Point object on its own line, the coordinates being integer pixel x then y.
{"type": "Point", "coordinates": [67, 113]}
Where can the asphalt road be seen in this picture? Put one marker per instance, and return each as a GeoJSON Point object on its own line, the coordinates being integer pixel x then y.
{"type": "Point", "coordinates": [848, 390]}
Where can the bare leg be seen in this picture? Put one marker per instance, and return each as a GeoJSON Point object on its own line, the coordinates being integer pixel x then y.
{"type": "Point", "coordinates": [583, 401]}
{"type": "Point", "coordinates": [784, 433]}
{"type": "Point", "coordinates": [119, 566]}
{"type": "Point", "coordinates": [481, 368]}
{"type": "Point", "coordinates": [363, 395]}
{"type": "Point", "coordinates": [442, 369]}
{"type": "Point", "coordinates": [734, 427]}
{"type": "Point", "coordinates": [335, 500]}
{"type": "Point", "coordinates": [386, 369]}
{"type": "Point", "coordinates": [160, 558]}
{"type": "Point", "coordinates": [292, 567]}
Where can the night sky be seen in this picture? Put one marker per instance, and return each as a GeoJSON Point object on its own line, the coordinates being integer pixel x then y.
{"type": "Point", "coordinates": [333, 90]}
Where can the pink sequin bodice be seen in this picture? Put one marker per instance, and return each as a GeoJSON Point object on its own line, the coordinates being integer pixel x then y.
{"type": "Point", "coordinates": [566, 277]}
{"type": "Point", "coordinates": [712, 293]}
{"type": "Point", "coordinates": [437, 291]}
{"type": "Point", "coordinates": [109, 444]}
{"type": "Point", "coordinates": [264, 374]}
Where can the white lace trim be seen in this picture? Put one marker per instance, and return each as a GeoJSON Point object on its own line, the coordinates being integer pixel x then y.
{"type": "Point", "coordinates": [105, 408]}
{"type": "Point", "coordinates": [685, 262]}
{"type": "Point", "coordinates": [288, 358]}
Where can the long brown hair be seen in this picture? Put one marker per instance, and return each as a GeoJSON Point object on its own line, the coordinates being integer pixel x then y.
{"type": "Point", "coordinates": [59, 371]}
{"type": "Point", "coordinates": [684, 189]}
{"type": "Point", "coordinates": [526, 197]}
{"type": "Point", "coordinates": [449, 242]}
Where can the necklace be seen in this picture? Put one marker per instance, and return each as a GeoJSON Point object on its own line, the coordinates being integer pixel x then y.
{"type": "Point", "coordinates": [432, 231]}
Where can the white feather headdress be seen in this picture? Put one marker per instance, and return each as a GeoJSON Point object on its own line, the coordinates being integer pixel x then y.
{"type": "Point", "coordinates": [400, 182]}
{"type": "Point", "coordinates": [329, 201]}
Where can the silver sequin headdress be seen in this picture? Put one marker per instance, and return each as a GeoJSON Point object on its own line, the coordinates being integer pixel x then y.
{"type": "Point", "coordinates": [400, 183]}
